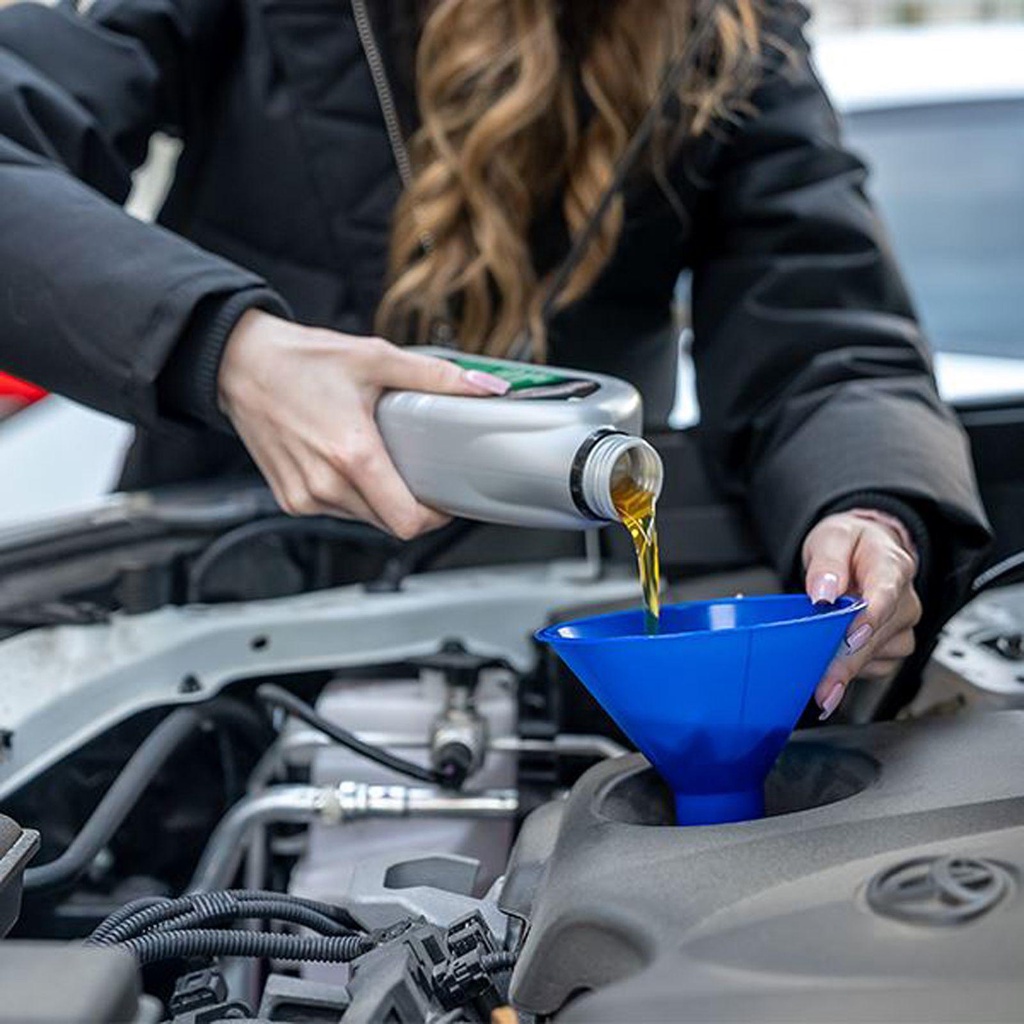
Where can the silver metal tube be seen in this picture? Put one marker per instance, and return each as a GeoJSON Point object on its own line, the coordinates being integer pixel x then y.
{"type": "Point", "coordinates": [300, 744]}
{"type": "Point", "coordinates": [268, 766]}
{"type": "Point", "coordinates": [231, 837]}
{"type": "Point", "coordinates": [347, 801]}
{"type": "Point", "coordinates": [365, 800]}
{"type": "Point", "coordinates": [573, 745]}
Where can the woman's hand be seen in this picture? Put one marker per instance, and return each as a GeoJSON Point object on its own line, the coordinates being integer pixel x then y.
{"type": "Point", "coordinates": [869, 554]}
{"type": "Point", "coordinates": [303, 401]}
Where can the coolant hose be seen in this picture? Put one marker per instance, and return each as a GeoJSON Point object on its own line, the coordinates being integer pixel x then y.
{"type": "Point", "coordinates": [153, 753]}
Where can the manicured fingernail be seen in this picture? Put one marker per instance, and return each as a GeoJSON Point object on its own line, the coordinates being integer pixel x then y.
{"type": "Point", "coordinates": [826, 590]}
{"type": "Point", "coordinates": [858, 638]}
{"type": "Point", "coordinates": [831, 702]}
{"type": "Point", "coordinates": [488, 382]}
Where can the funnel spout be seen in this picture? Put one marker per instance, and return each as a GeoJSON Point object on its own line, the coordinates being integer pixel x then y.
{"type": "Point", "coordinates": [712, 698]}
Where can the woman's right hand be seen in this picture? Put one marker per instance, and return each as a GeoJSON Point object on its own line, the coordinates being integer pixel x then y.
{"type": "Point", "coordinates": [302, 400]}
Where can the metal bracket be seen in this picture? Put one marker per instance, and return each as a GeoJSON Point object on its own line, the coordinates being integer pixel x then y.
{"type": "Point", "coordinates": [65, 685]}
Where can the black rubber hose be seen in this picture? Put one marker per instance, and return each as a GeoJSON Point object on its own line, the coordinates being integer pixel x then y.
{"type": "Point", "coordinates": [153, 753]}
{"type": "Point", "coordinates": [207, 942]}
{"type": "Point", "coordinates": [307, 526]}
{"type": "Point", "coordinates": [418, 555]}
{"type": "Point", "coordinates": [288, 702]}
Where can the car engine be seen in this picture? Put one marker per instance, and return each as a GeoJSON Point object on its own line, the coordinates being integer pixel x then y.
{"type": "Point", "coordinates": [254, 770]}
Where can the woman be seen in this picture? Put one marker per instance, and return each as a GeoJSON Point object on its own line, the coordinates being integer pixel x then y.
{"type": "Point", "coordinates": [420, 169]}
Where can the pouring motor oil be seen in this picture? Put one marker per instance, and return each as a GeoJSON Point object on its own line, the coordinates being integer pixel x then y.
{"type": "Point", "coordinates": [561, 450]}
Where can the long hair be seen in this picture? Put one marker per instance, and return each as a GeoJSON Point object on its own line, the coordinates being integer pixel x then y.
{"type": "Point", "coordinates": [500, 86]}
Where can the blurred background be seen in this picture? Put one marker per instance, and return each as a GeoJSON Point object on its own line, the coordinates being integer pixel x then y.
{"type": "Point", "coordinates": [839, 14]}
{"type": "Point", "coordinates": [932, 92]}
{"type": "Point", "coordinates": [932, 97]}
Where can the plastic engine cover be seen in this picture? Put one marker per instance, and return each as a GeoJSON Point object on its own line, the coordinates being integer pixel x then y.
{"type": "Point", "coordinates": [17, 847]}
{"type": "Point", "coordinates": [882, 886]}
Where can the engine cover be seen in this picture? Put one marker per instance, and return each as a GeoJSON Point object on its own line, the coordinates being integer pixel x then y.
{"type": "Point", "coordinates": [882, 886]}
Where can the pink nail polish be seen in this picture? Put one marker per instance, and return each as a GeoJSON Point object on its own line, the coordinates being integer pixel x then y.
{"type": "Point", "coordinates": [826, 591]}
{"type": "Point", "coordinates": [858, 638]}
{"type": "Point", "coordinates": [488, 382]}
{"type": "Point", "coordinates": [831, 702]}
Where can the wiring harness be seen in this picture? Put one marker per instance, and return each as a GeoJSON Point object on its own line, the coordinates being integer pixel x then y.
{"type": "Point", "coordinates": [156, 928]}
{"type": "Point", "coordinates": [458, 970]}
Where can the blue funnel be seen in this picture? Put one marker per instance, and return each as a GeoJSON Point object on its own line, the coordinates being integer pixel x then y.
{"type": "Point", "coordinates": [712, 699]}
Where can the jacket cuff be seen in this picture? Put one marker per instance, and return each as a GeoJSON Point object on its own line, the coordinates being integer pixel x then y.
{"type": "Point", "coordinates": [905, 513]}
{"type": "Point", "coordinates": [187, 386]}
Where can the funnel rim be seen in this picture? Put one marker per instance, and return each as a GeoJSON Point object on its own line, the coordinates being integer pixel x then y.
{"type": "Point", "coordinates": [551, 634]}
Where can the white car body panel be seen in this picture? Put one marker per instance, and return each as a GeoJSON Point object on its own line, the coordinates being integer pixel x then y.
{"type": "Point", "coordinates": [58, 456]}
{"type": "Point", "coordinates": [934, 64]}
{"type": "Point", "coordinates": [921, 65]}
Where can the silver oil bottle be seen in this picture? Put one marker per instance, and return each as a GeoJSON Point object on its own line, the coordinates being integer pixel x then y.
{"type": "Point", "coordinates": [544, 455]}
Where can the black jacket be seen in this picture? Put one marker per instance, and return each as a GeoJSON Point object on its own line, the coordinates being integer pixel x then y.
{"type": "Point", "coordinates": [814, 384]}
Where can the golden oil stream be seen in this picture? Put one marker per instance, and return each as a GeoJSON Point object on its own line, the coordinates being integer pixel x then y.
{"type": "Point", "coordinates": [635, 506]}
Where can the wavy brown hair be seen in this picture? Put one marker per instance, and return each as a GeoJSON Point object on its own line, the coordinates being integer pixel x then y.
{"type": "Point", "coordinates": [502, 138]}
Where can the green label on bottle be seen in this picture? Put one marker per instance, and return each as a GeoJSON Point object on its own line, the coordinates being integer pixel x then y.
{"type": "Point", "coordinates": [520, 376]}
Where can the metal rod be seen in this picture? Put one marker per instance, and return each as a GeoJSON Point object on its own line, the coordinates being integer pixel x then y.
{"type": "Point", "coordinates": [231, 837]}
{"type": "Point", "coordinates": [334, 805]}
{"type": "Point", "coordinates": [301, 741]}
{"type": "Point", "coordinates": [570, 745]}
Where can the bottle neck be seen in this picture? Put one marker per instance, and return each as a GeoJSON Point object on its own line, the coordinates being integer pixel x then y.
{"type": "Point", "coordinates": [603, 461]}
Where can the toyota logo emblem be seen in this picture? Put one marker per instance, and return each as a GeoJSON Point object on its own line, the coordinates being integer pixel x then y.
{"type": "Point", "coordinates": [938, 890]}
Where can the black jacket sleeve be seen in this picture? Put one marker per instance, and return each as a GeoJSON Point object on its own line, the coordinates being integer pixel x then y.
{"type": "Point", "coordinates": [813, 379]}
{"type": "Point", "coordinates": [93, 301]}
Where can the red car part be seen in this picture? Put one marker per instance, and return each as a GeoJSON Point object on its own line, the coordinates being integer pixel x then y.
{"type": "Point", "coordinates": [19, 390]}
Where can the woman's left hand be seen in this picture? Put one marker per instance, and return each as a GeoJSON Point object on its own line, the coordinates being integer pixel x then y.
{"type": "Point", "coordinates": [863, 553]}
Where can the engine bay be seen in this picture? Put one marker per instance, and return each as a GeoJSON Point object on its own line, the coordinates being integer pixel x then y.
{"type": "Point", "coordinates": [238, 783]}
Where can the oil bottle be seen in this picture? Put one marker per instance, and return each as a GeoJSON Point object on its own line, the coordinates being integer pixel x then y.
{"type": "Point", "coordinates": [549, 453]}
